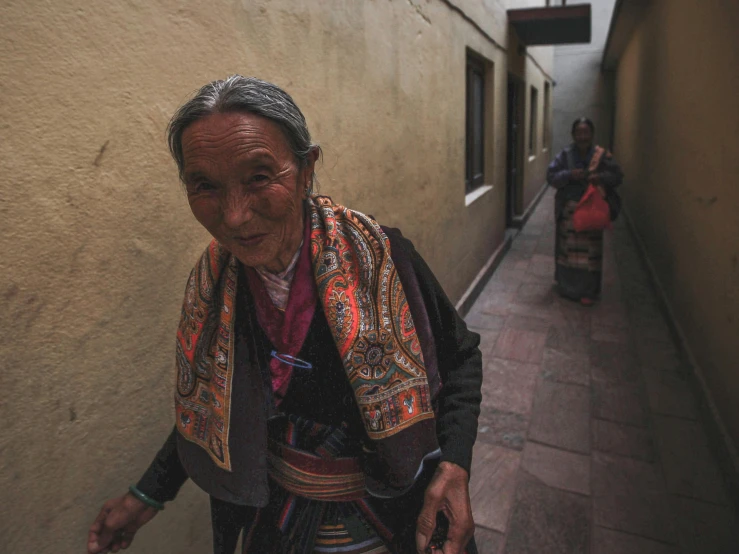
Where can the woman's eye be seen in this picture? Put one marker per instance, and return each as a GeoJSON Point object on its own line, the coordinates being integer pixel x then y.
{"type": "Point", "coordinates": [259, 179]}
{"type": "Point", "coordinates": [201, 186]}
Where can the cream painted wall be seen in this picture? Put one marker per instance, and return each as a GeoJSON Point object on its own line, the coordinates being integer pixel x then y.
{"type": "Point", "coordinates": [677, 135]}
{"type": "Point", "coordinates": [97, 238]}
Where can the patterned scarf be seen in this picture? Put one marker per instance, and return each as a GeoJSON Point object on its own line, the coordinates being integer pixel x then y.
{"type": "Point", "coordinates": [362, 297]}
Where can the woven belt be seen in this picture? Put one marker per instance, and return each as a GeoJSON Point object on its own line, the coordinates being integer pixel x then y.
{"type": "Point", "coordinates": [310, 476]}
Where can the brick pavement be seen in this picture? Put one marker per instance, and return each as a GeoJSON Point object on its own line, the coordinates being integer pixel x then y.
{"type": "Point", "coordinates": [588, 439]}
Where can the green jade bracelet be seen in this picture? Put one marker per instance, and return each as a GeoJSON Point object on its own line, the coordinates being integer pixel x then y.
{"type": "Point", "coordinates": [145, 499]}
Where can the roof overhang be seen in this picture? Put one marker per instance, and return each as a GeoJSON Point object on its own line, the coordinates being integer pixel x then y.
{"type": "Point", "coordinates": [555, 25]}
{"type": "Point", "coordinates": [626, 16]}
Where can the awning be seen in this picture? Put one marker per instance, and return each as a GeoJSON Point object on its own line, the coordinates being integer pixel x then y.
{"type": "Point", "coordinates": [555, 25]}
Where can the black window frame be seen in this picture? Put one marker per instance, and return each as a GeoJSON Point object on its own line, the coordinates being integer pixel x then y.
{"type": "Point", "coordinates": [474, 176]}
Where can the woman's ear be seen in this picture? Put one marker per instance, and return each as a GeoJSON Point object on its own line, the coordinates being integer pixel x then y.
{"type": "Point", "coordinates": [313, 158]}
{"type": "Point", "coordinates": [310, 167]}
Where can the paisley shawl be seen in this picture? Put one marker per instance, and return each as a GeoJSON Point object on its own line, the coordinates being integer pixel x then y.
{"type": "Point", "coordinates": [367, 310]}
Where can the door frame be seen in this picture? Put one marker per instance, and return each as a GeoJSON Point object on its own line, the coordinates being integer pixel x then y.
{"type": "Point", "coordinates": [515, 134]}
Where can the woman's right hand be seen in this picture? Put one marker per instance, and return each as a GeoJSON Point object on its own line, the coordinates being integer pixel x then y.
{"type": "Point", "coordinates": [117, 523]}
{"type": "Point", "coordinates": [577, 174]}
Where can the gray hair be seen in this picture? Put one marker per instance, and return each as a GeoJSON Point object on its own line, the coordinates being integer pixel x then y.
{"type": "Point", "coordinates": [243, 94]}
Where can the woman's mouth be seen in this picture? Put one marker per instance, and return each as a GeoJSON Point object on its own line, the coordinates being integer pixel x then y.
{"type": "Point", "coordinates": [251, 240]}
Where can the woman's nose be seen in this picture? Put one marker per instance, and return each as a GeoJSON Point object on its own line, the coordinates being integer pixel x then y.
{"type": "Point", "coordinates": [237, 210]}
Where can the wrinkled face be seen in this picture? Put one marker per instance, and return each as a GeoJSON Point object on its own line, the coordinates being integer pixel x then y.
{"type": "Point", "coordinates": [245, 186]}
{"type": "Point", "coordinates": [583, 136]}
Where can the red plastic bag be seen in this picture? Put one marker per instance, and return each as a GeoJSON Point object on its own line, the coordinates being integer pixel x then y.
{"type": "Point", "coordinates": [592, 212]}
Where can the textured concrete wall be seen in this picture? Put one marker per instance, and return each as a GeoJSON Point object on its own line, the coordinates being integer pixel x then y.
{"type": "Point", "coordinates": [677, 135]}
{"type": "Point", "coordinates": [582, 89]}
{"type": "Point", "coordinates": [97, 237]}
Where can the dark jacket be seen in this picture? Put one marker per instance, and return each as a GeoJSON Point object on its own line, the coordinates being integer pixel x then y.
{"type": "Point", "coordinates": [559, 176]}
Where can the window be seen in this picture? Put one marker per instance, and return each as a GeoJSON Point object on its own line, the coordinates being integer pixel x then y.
{"type": "Point", "coordinates": [533, 121]}
{"type": "Point", "coordinates": [547, 117]}
{"type": "Point", "coordinates": [475, 124]}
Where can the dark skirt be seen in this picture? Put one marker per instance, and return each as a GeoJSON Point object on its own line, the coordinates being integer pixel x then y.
{"type": "Point", "coordinates": [579, 258]}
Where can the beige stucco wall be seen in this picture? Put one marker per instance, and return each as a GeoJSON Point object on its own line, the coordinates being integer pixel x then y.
{"type": "Point", "coordinates": [97, 239]}
{"type": "Point", "coordinates": [677, 136]}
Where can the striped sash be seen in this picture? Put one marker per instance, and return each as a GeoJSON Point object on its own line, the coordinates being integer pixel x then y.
{"type": "Point", "coordinates": [313, 477]}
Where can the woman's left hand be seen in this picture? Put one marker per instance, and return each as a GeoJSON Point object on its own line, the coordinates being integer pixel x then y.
{"type": "Point", "coordinates": [449, 493]}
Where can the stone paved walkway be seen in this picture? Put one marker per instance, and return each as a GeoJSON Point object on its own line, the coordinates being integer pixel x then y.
{"type": "Point", "coordinates": [588, 439]}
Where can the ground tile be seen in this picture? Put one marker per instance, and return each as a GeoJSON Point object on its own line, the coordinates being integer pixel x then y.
{"type": "Point", "coordinates": [624, 440]}
{"type": "Point", "coordinates": [502, 428]}
{"type": "Point", "coordinates": [487, 541]}
{"type": "Point", "coordinates": [547, 312]}
{"type": "Point", "coordinates": [542, 259]}
{"type": "Point", "coordinates": [509, 277]}
{"type": "Point", "coordinates": [524, 245]}
{"type": "Point", "coordinates": [607, 541]}
{"type": "Point", "coordinates": [563, 339]}
{"type": "Point", "coordinates": [658, 356]}
{"type": "Point", "coordinates": [533, 293]}
{"type": "Point", "coordinates": [520, 345]}
{"type": "Point", "coordinates": [561, 416]}
{"type": "Point", "coordinates": [544, 246]}
{"type": "Point", "coordinates": [527, 323]}
{"type": "Point", "coordinates": [508, 385]}
{"type": "Point", "coordinates": [493, 484]}
{"type": "Point", "coordinates": [477, 319]}
{"type": "Point", "coordinates": [496, 304]}
{"type": "Point", "coordinates": [547, 520]}
{"type": "Point", "coordinates": [542, 267]}
{"type": "Point", "coordinates": [651, 327]}
{"type": "Point", "coordinates": [622, 403]}
{"type": "Point", "coordinates": [706, 528]}
{"type": "Point", "coordinates": [614, 362]}
{"type": "Point", "coordinates": [557, 468]}
{"type": "Point", "coordinates": [628, 495]}
{"type": "Point", "coordinates": [611, 295]}
{"type": "Point", "coordinates": [488, 339]}
{"type": "Point", "coordinates": [690, 469]}
{"type": "Point", "coordinates": [610, 315]}
{"type": "Point", "coordinates": [669, 394]}
{"type": "Point", "coordinates": [576, 318]}
{"type": "Point", "coordinates": [495, 287]}
{"type": "Point", "coordinates": [648, 515]}
{"type": "Point", "coordinates": [616, 475]}
{"type": "Point", "coordinates": [600, 333]}
{"type": "Point", "coordinates": [565, 368]}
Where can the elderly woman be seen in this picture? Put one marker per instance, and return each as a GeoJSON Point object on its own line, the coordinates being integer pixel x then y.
{"type": "Point", "coordinates": [327, 391]}
{"type": "Point", "coordinates": [579, 255]}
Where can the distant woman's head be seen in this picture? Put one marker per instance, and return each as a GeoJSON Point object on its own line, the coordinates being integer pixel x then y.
{"type": "Point", "coordinates": [583, 131]}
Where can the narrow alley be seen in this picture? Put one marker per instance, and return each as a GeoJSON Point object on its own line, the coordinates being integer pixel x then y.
{"type": "Point", "coordinates": [172, 170]}
{"type": "Point", "coordinates": [588, 438]}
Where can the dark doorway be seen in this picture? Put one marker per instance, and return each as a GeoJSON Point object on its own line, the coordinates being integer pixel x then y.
{"type": "Point", "coordinates": [513, 158]}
